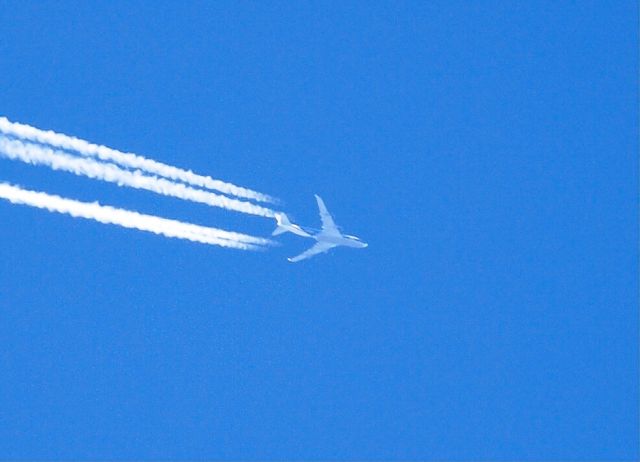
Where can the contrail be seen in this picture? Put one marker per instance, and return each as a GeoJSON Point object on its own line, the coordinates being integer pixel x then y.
{"type": "Point", "coordinates": [60, 160]}
{"type": "Point", "coordinates": [130, 219]}
{"type": "Point", "coordinates": [127, 160]}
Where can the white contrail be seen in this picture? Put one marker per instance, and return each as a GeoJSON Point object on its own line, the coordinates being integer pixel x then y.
{"type": "Point", "coordinates": [60, 160]}
{"type": "Point", "coordinates": [125, 159]}
{"type": "Point", "coordinates": [129, 219]}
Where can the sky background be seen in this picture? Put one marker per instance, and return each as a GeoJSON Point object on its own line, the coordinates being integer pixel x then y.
{"type": "Point", "coordinates": [486, 151]}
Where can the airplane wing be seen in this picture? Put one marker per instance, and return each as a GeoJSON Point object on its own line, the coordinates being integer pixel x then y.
{"type": "Point", "coordinates": [328, 226]}
{"type": "Point", "coordinates": [320, 247]}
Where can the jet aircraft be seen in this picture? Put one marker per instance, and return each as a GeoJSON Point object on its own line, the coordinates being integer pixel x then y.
{"type": "Point", "coordinates": [327, 238]}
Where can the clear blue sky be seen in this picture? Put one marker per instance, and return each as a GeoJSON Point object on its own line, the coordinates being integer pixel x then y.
{"type": "Point", "coordinates": [487, 151]}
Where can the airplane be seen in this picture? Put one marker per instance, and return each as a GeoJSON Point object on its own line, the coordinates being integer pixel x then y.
{"type": "Point", "coordinates": [328, 238]}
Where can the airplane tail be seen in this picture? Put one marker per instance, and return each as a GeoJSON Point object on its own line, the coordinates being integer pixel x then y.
{"type": "Point", "coordinates": [283, 223]}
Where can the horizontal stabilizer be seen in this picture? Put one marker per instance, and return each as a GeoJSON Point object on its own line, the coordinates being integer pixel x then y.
{"type": "Point", "coordinates": [279, 230]}
{"type": "Point", "coordinates": [284, 225]}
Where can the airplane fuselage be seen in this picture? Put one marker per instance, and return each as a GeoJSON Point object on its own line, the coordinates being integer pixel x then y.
{"type": "Point", "coordinates": [340, 241]}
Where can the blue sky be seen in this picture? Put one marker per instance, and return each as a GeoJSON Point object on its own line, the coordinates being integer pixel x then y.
{"type": "Point", "coordinates": [487, 152]}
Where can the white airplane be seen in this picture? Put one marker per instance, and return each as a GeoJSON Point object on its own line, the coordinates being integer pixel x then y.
{"type": "Point", "coordinates": [328, 238]}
